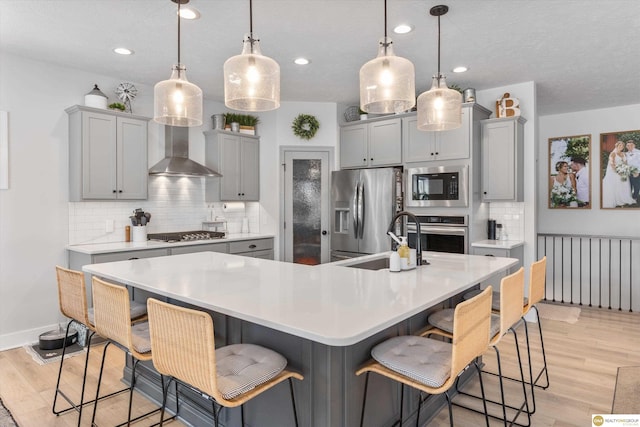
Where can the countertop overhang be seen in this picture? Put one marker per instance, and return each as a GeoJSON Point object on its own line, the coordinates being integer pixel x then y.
{"type": "Point", "coordinates": [330, 303]}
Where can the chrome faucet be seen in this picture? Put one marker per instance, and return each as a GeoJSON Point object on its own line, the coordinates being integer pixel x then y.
{"type": "Point", "coordinates": [418, 239]}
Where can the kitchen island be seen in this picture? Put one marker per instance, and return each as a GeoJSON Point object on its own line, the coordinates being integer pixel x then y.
{"type": "Point", "coordinates": [324, 319]}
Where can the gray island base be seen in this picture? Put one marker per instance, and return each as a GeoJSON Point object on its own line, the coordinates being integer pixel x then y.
{"type": "Point", "coordinates": [324, 319]}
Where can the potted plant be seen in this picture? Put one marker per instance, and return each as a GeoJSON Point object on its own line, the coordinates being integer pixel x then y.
{"type": "Point", "coordinates": [245, 122]}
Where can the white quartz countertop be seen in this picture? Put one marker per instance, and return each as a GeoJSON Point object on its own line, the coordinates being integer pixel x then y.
{"type": "Point", "coordinates": [103, 248]}
{"type": "Point", "coordinates": [497, 244]}
{"type": "Point", "coordinates": [330, 303]}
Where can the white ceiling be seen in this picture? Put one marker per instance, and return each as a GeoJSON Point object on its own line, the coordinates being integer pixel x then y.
{"type": "Point", "coordinates": [582, 54]}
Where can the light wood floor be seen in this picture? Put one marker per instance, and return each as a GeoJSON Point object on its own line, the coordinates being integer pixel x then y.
{"type": "Point", "coordinates": [583, 360]}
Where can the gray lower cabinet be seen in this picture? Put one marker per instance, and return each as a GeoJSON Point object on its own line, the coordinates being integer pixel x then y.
{"type": "Point", "coordinates": [107, 155]}
{"type": "Point", "coordinates": [517, 252]}
{"type": "Point", "coordinates": [503, 159]}
{"type": "Point", "coordinates": [237, 158]}
{"type": "Point", "coordinates": [258, 248]}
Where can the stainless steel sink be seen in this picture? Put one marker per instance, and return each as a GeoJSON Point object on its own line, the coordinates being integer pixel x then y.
{"type": "Point", "coordinates": [374, 264]}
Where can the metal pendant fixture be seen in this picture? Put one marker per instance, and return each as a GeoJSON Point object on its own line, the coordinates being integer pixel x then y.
{"type": "Point", "coordinates": [251, 80]}
{"type": "Point", "coordinates": [177, 102]}
{"type": "Point", "coordinates": [440, 108]}
{"type": "Point", "coordinates": [388, 82]}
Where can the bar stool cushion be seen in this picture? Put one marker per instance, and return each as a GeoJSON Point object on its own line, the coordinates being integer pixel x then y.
{"type": "Point", "coordinates": [136, 310]}
{"type": "Point", "coordinates": [422, 359]}
{"type": "Point", "coordinates": [140, 337]}
{"type": "Point", "coordinates": [443, 320]}
{"type": "Point", "coordinates": [242, 367]}
{"type": "Point", "coordinates": [495, 301]}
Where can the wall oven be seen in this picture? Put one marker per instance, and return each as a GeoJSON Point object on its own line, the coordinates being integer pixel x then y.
{"type": "Point", "coordinates": [438, 186]}
{"type": "Point", "coordinates": [441, 233]}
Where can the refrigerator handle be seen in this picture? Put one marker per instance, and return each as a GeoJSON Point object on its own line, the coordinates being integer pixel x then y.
{"type": "Point", "coordinates": [361, 209]}
{"type": "Point", "coordinates": [354, 211]}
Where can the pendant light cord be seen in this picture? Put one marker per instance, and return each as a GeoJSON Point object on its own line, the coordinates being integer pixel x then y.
{"type": "Point", "coordinates": [178, 32]}
{"type": "Point", "coordinates": [438, 50]}
{"type": "Point", "coordinates": [386, 42]}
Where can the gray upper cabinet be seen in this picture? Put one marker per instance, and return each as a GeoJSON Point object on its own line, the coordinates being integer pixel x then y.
{"type": "Point", "coordinates": [373, 144]}
{"type": "Point", "coordinates": [420, 146]}
{"type": "Point", "coordinates": [237, 158]}
{"type": "Point", "coordinates": [503, 159]}
{"type": "Point", "coordinates": [107, 155]}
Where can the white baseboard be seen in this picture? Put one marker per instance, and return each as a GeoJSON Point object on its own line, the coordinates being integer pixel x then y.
{"type": "Point", "coordinates": [25, 337]}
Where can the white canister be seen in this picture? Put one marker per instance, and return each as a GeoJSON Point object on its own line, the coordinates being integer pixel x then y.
{"type": "Point", "coordinates": [96, 98]}
{"type": "Point", "coordinates": [139, 233]}
{"type": "Point", "coordinates": [394, 262]}
{"type": "Point", "coordinates": [245, 225]}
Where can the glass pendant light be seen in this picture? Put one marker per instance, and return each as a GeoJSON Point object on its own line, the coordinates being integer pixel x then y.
{"type": "Point", "coordinates": [177, 102]}
{"type": "Point", "coordinates": [440, 108]}
{"type": "Point", "coordinates": [251, 80]}
{"type": "Point", "coordinates": [387, 83]}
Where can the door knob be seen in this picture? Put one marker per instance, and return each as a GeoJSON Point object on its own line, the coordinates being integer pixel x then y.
{"type": "Point", "coordinates": [324, 232]}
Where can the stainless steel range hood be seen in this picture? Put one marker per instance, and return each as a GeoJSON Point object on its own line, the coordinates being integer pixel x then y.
{"type": "Point", "coordinates": [177, 161]}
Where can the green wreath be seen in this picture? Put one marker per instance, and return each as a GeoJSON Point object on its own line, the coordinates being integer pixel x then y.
{"type": "Point", "coordinates": [305, 126]}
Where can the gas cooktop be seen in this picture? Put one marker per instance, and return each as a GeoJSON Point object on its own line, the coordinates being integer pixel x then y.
{"type": "Point", "coordinates": [184, 236]}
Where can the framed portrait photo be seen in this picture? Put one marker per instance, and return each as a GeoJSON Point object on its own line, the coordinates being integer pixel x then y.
{"type": "Point", "coordinates": [569, 178]}
{"type": "Point", "coordinates": [620, 170]}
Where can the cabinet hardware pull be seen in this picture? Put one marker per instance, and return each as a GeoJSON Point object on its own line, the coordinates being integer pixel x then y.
{"type": "Point", "coordinates": [252, 246]}
{"type": "Point", "coordinates": [119, 191]}
{"type": "Point", "coordinates": [114, 191]}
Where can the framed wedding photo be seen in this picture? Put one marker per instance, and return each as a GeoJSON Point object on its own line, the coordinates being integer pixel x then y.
{"type": "Point", "coordinates": [569, 179]}
{"type": "Point", "coordinates": [620, 170]}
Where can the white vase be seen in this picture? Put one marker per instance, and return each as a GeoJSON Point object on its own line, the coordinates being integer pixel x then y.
{"type": "Point", "coordinates": [573, 204]}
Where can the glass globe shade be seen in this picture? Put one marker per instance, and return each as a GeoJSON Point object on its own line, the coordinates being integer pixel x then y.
{"type": "Point", "coordinates": [439, 108]}
{"type": "Point", "coordinates": [177, 102]}
{"type": "Point", "coordinates": [387, 82]}
{"type": "Point", "coordinates": [251, 80]}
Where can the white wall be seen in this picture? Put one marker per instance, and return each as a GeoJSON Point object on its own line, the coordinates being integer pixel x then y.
{"type": "Point", "coordinates": [594, 221]}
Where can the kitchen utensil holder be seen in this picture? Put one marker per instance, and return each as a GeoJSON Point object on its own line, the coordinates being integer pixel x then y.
{"type": "Point", "coordinates": [139, 233]}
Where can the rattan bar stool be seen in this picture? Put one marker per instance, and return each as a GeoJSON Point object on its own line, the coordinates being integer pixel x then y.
{"type": "Point", "coordinates": [511, 294]}
{"type": "Point", "coordinates": [182, 341]}
{"type": "Point", "coordinates": [112, 306]}
{"type": "Point", "coordinates": [72, 298]}
{"type": "Point", "coordinates": [432, 366]}
{"type": "Point", "coordinates": [537, 279]}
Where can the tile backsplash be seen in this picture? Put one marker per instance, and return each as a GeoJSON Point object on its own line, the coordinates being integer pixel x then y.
{"type": "Point", "coordinates": [511, 216]}
{"type": "Point", "coordinates": [176, 204]}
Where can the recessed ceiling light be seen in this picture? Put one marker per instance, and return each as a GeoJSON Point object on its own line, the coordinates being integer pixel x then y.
{"type": "Point", "coordinates": [403, 29]}
{"type": "Point", "coordinates": [460, 69]}
{"type": "Point", "coordinates": [189, 13]}
{"type": "Point", "coordinates": [301, 61]}
{"type": "Point", "coordinates": [123, 51]}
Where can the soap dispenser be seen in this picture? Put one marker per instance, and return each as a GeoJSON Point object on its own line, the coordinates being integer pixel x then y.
{"type": "Point", "coordinates": [404, 252]}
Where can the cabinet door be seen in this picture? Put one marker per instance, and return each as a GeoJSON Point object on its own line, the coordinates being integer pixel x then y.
{"type": "Point", "coordinates": [498, 160]}
{"type": "Point", "coordinates": [132, 168]}
{"type": "Point", "coordinates": [454, 144]}
{"type": "Point", "coordinates": [98, 156]}
{"type": "Point", "coordinates": [229, 152]}
{"type": "Point", "coordinates": [250, 166]}
{"type": "Point", "coordinates": [418, 145]}
{"type": "Point", "coordinates": [353, 146]}
{"type": "Point", "coordinates": [385, 143]}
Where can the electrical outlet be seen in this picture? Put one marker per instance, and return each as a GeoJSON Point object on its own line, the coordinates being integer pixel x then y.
{"type": "Point", "coordinates": [109, 225]}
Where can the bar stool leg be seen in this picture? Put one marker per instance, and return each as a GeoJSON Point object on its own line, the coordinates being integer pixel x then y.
{"type": "Point", "coordinates": [364, 398]}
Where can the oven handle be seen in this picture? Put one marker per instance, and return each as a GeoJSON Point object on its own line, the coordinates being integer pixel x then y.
{"type": "Point", "coordinates": [454, 231]}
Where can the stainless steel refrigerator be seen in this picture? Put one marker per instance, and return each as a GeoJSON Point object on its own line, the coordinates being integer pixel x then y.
{"type": "Point", "coordinates": [363, 203]}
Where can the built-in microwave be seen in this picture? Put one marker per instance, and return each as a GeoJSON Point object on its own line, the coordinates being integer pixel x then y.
{"type": "Point", "coordinates": [438, 186]}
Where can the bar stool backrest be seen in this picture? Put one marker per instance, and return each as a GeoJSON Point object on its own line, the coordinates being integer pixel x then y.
{"type": "Point", "coordinates": [183, 345]}
{"type": "Point", "coordinates": [72, 294]}
{"type": "Point", "coordinates": [537, 280]}
{"type": "Point", "coordinates": [471, 324]}
{"type": "Point", "coordinates": [112, 312]}
{"type": "Point", "coordinates": [511, 296]}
